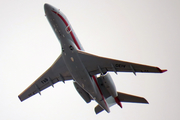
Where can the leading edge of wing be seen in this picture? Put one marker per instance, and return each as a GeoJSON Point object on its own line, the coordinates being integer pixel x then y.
{"type": "Point", "coordinates": [97, 64]}
{"type": "Point", "coordinates": [57, 72]}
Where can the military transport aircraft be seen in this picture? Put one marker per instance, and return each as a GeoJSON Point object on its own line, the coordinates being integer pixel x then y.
{"type": "Point", "coordinates": [82, 67]}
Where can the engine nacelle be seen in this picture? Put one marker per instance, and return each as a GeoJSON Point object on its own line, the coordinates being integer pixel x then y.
{"type": "Point", "coordinates": [82, 92]}
{"type": "Point", "coordinates": [107, 82]}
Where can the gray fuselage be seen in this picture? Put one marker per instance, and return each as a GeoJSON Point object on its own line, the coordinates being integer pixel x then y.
{"type": "Point", "coordinates": [70, 45]}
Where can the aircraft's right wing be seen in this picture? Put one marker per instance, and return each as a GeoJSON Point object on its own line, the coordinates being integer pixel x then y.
{"type": "Point", "coordinates": [100, 65]}
{"type": "Point", "coordinates": [57, 72]}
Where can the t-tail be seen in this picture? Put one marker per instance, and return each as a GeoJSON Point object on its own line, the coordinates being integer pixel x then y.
{"type": "Point", "coordinates": [122, 97]}
{"type": "Point", "coordinates": [113, 97]}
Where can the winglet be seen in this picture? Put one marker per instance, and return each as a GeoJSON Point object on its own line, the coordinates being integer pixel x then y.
{"type": "Point", "coordinates": [162, 71]}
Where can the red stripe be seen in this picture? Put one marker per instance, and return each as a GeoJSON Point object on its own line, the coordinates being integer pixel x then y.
{"type": "Point", "coordinates": [75, 41]}
{"type": "Point", "coordinates": [161, 71]}
{"type": "Point", "coordinates": [118, 101]}
{"type": "Point", "coordinates": [99, 90]}
{"type": "Point", "coordinates": [72, 35]}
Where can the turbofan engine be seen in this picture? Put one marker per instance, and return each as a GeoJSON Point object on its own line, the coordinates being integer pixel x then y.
{"type": "Point", "coordinates": [82, 92]}
{"type": "Point", "coordinates": [107, 85]}
{"type": "Point", "coordinates": [108, 88]}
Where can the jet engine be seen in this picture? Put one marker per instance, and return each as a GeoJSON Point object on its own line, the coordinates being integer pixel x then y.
{"type": "Point", "coordinates": [107, 85]}
{"type": "Point", "coordinates": [82, 92]}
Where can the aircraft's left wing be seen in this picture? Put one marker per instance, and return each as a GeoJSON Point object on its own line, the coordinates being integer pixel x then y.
{"type": "Point", "coordinates": [96, 64]}
{"type": "Point", "coordinates": [57, 72]}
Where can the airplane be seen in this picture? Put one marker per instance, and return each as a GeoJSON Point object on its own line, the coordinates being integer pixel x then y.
{"type": "Point", "coordinates": [89, 72]}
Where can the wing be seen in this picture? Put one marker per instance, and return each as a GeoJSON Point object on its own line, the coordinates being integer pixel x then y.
{"type": "Point", "coordinates": [57, 72]}
{"type": "Point", "coordinates": [96, 64]}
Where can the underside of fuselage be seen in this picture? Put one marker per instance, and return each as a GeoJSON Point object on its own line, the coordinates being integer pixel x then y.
{"type": "Point", "coordinates": [70, 45]}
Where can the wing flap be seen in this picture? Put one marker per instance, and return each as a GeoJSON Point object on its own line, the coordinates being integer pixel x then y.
{"type": "Point", "coordinates": [96, 64]}
{"type": "Point", "coordinates": [57, 72]}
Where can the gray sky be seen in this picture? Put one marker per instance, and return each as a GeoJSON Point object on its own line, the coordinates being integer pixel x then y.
{"type": "Point", "coordinates": [139, 31]}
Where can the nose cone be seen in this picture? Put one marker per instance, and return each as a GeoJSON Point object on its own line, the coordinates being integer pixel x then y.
{"type": "Point", "coordinates": [47, 8]}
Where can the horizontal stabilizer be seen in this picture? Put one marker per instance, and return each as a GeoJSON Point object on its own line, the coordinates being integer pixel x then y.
{"type": "Point", "coordinates": [98, 109]}
{"type": "Point", "coordinates": [123, 97]}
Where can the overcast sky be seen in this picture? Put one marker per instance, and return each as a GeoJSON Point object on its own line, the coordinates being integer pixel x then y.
{"type": "Point", "coordinates": [141, 31]}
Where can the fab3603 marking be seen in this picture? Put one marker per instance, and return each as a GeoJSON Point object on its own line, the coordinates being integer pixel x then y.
{"type": "Point", "coordinates": [120, 65]}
